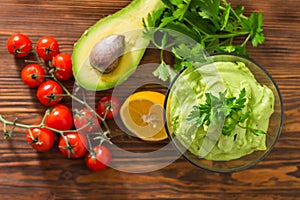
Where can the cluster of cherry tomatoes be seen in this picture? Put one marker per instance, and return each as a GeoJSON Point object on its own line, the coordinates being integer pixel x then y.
{"type": "Point", "coordinates": [58, 117]}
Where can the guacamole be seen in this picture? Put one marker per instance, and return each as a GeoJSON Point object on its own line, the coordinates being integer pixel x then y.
{"type": "Point", "coordinates": [189, 90]}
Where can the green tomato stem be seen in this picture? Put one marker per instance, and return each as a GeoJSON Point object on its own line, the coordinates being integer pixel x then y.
{"type": "Point", "coordinates": [102, 136]}
{"type": "Point", "coordinates": [89, 142]}
{"type": "Point", "coordinates": [84, 103]}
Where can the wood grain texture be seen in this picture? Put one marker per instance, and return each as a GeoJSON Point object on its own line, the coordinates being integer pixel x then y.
{"type": "Point", "coordinates": [25, 174]}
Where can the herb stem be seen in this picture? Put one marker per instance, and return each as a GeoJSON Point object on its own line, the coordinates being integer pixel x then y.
{"type": "Point", "coordinates": [196, 28]}
{"type": "Point", "coordinates": [225, 35]}
{"type": "Point", "coordinates": [246, 40]}
{"type": "Point", "coordinates": [162, 56]}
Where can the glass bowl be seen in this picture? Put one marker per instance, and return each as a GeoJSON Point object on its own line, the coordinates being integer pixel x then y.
{"type": "Point", "coordinates": [185, 92]}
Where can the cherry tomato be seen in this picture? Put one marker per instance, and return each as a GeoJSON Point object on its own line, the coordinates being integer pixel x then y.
{"type": "Point", "coordinates": [41, 139]}
{"type": "Point", "coordinates": [59, 117]}
{"type": "Point", "coordinates": [33, 75]}
{"type": "Point", "coordinates": [49, 93]}
{"type": "Point", "coordinates": [86, 121]}
{"type": "Point", "coordinates": [108, 106]}
{"type": "Point", "coordinates": [62, 65]}
{"type": "Point", "coordinates": [72, 145]}
{"type": "Point", "coordinates": [19, 45]}
{"type": "Point", "coordinates": [47, 47]}
{"type": "Point", "coordinates": [98, 159]}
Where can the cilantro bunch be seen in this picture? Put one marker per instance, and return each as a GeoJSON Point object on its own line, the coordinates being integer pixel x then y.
{"type": "Point", "coordinates": [216, 110]}
{"type": "Point", "coordinates": [214, 25]}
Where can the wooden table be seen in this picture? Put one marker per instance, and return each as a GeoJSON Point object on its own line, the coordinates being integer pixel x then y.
{"type": "Point", "coordinates": [25, 174]}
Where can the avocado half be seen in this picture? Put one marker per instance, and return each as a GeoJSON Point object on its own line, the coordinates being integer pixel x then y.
{"type": "Point", "coordinates": [127, 22]}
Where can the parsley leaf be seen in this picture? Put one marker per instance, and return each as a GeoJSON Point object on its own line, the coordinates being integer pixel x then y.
{"type": "Point", "coordinates": [152, 20]}
{"type": "Point", "coordinates": [180, 11]}
{"type": "Point", "coordinates": [164, 72]}
{"type": "Point", "coordinates": [217, 109]}
{"type": "Point", "coordinates": [253, 25]}
{"type": "Point", "coordinates": [212, 24]}
{"type": "Point", "coordinates": [209, 10]}
{"type": "Point", "coordinates": [190, 53]}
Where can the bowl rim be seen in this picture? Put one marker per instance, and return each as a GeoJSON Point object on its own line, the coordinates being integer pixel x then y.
{"type": "Point", "coordinates": [267, 151]}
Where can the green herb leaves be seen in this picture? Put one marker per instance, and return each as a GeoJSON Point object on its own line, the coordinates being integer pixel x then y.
{"type": "Point", "coordinates": [201, 114]}
{"type": "Point", "coordinates": [253, 25]}
{"type": "Point", "coordinates": [212, 24]}
{"type": "Point", "coordinates": [222, 109]}
{"type": "Point", "coordinates": [164, 72]}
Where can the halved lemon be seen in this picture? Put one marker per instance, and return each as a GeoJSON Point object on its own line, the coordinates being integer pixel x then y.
{"type": "Point", "coordinates": [142, 114]}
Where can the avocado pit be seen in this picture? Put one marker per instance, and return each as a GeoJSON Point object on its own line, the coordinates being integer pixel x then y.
{"type": "Point", "coordinates": [106, 53]}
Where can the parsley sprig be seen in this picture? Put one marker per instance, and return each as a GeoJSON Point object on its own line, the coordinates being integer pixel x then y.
{"type": "Point", "coordinates": [213, 24]}
{"type": "Point", "coordinates": [222, 109]}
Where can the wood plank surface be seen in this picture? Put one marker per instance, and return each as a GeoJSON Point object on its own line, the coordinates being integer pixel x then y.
{"type": "Point", "coordinates": [25, 174]}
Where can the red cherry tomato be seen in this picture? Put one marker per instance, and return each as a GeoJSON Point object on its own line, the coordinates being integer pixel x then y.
{"type": "Point", "coordinates": [62, 65]}
{"type": "Point", "coordinates": [108, 106]}
{"type": "Point", "coordinates": [72, 145]}
{"type": "Point", "coordinates": [19, 45]}
{"type": "Point", "coordinates": [33, 75]}
{"type": "Point", "coordinates": [98, 159]}
{"type": "Point", "coordinates": [40, 139]}
{"type": "Point", "coordinates": [47, 47]}
{"type": "Point", "coordinates": [86, 121]}
{"type": "Point", "coordinates": [49, 93]}
{"type": "Point", "coordinates": [59, 117]}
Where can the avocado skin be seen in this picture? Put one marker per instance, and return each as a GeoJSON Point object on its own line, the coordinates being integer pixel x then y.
{"type": "Point", "coordinates": [127, 22]}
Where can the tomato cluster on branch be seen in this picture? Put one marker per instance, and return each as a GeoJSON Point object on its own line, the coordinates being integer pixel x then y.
{"type": "Point", "coordinates": [46, 73]}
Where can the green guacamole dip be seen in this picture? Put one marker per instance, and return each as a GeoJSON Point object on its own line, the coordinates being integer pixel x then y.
{"type": "Point", "coordinates": [189, 90]}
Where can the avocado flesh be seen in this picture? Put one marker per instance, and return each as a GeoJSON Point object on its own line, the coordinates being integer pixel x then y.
{"type": "Point", "coordinates": [127, 22]}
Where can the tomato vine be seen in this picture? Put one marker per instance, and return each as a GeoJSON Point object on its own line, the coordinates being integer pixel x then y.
{"type": "Point", "coordinates": [57, 67]}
